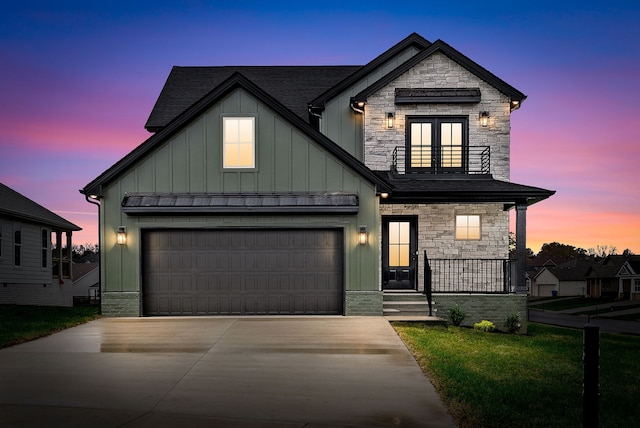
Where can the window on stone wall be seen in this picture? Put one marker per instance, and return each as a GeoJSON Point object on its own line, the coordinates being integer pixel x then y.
{"type": "Point", "coordinates": [436, 144]}
{"type": "Point", "coordinates": [468, 227]}
{"type": "Point", "coordinates": [238, 142]}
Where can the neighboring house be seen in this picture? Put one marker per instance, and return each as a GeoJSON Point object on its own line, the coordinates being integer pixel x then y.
{"type": "Point", "coordinates": [86, 282]}
{"type": "Point", "coordinates": [317, 190]}
{"type": "Point", "coordinates": [32, 272]}
{"type": "Point", "coordinates": [615, 276]}
{"type": "Point", "coordinates": [566, 279]}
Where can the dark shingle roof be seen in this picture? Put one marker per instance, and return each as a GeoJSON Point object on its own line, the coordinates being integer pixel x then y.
{"type": "Point", "coordinates": [409, 188]}
{"type": "Point", "coordinates": [13, 204]}
{"type": "Point", "coordinates": [293, 86]}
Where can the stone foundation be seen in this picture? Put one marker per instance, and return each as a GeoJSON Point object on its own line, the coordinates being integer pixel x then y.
{"type": "Point", "coordinates": [478, 307]}
{"type": "Point", "coordinates": [359, 303]}
{"type": "Point", "coordinates": [120, 304]}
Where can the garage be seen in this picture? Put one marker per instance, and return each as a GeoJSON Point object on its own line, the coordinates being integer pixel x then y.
{"type": "Point", "coordinates": [243, 272]}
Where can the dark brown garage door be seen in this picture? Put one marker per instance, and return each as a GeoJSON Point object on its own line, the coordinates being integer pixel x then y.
{"type": "Point", "coordinates": [242, 272]}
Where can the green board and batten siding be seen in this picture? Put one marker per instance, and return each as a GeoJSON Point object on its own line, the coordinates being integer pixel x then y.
{"type": "Point", "coordinates": [340, 123]}
{"type": "Point", "coordinates": [190, 161]}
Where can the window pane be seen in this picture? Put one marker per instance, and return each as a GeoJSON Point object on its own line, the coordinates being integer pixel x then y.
{"type": "Point", "coordinates": [230, 130]}
{"type": "Point", "coordinates": [245, 130]}
{"type": "Point", "coordinates": [420, 145]}
{"type": "Point", "coordinates": [399, 243]}
{"type": "Point", "coordinates": [468, 227]}
{"type": "Point", "coordinates": [239, 142]}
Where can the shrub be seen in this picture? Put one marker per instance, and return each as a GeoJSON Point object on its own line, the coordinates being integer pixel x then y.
{"type": "Point", "coordinates": [512, 323]}
{"type": "Point", "coordinates": [456, 315]}
{"type": "Point", "coordinates": [484, 325]}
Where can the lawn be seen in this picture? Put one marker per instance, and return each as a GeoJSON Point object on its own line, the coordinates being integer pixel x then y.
{"type": "Point", "coordinates": [533, 380]}
{"type": "Point", "coordinates": [23, 323]}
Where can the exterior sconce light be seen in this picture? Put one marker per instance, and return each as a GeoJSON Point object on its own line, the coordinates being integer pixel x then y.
{"type": "Point", "coordinates": [484, 119]}
{"type": "Point", "coordinates": [121, 235]}
{"type": "Point", "coordinates": [384, 195]}
{"type": "Point", "coordinates": [390, 120]}
{"type": "Point", "coordinates": [362, 235]}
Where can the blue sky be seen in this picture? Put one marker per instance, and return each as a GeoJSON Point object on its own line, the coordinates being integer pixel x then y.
{"type": "Point", "coordinates": [79, 78]}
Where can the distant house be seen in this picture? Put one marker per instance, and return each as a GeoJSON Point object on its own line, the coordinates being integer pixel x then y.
{"type": "Point", "coordinates": [565, 279]}
{"type": "Point", "coordinates": [615, 276]}
{"type": "Point", "coordinates": [86, 282]}
{"type": "Point", "coordinates": [32, 271]}
{"type": "Point", "coordinates": [317, 190]}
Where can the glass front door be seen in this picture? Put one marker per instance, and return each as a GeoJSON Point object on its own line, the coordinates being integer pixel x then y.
{"type": "Point", "coordinates": [399, 247]}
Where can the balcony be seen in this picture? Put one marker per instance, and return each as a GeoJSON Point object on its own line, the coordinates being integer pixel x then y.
{"type": "Point", "coordinates": [443, 160]}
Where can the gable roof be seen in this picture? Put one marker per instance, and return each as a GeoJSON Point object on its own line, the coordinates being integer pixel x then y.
{"type": "Point", "coordinates": [413, 40]}
{"type": "Point", "coordinates": [292, 86]}
{"type": "Point", "coordinates": [13, 204]}
{"type": "Point", "coordinates": [453, 54]}
{"type": "Point", "coordinates": [572, 270]}
{"type": "Point", "coordinates": [236, 81]}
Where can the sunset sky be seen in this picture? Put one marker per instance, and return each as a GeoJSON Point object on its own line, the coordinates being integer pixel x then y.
{"type": "Point", "coordinates": [78, 80]}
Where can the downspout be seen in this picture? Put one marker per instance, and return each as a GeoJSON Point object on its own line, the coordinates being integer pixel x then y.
{"type": "Point", "coordinates": [100, 249]}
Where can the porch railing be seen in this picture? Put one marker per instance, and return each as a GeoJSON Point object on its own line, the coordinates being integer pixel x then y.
{"type": "Point", "coordinates": [468, 275]}
{"type": "Point", "coordinates": [470, 160]}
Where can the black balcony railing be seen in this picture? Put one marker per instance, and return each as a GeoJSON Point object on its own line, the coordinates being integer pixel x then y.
{"type": "Point", "coordinates": [440, 160]}
{"type": "Point", "coordinates": [492, 276]}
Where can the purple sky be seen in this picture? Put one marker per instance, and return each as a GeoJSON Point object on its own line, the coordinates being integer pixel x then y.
{"type": "Point", "coordinates": [78, 81]}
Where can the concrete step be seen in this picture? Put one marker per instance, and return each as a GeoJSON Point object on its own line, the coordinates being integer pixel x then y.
{"type": "Point", "coordinates": [403, 297]}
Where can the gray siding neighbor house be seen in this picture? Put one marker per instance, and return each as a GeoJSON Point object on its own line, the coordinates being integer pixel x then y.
{"type": "Point", "coordinates": [32, 272]}
{"type": "Point", "coordinates": [318, 190]}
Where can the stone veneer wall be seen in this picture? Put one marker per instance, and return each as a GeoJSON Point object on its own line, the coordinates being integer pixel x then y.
{"type": "Point", "coordinates": [436, 231]}
{"type": "Point", "coordinates": [120, 304]}
{"type": "Point", "coordinates": [358, 303]}
{"type": "Point", "coordinates": [437, 71]}
{"type": "Point", "coordinates": [478, 307]}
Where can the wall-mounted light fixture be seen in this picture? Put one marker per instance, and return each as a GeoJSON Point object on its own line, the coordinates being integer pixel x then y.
{"type": "Point", "coordinates": [390, 120]}
{"type": "Point", "coordinates": [484, 118]}
{"type": "Point", "coordinates": [121, 235]}
{"type": "Point", "coordinates": [362, 235]}
{"type": "Point", "coordinates": [384, 195]}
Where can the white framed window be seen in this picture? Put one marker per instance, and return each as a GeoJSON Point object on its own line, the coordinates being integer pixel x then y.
{"type": "Point", "coordinates": [239, 142]}
{"type": "Point", "coordinates": [468, 227]}
{"type": "Point", "coordinates": [636, 286]}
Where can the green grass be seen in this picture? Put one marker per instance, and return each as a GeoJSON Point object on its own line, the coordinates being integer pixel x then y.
{"type": "Point", "coordinates": [20, 324]}
{"type": "Point", "coordinates": [533, 380]}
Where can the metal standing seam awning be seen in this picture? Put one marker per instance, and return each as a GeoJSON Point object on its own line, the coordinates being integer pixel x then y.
{"type": "Point", "coordinates": [226, 203]}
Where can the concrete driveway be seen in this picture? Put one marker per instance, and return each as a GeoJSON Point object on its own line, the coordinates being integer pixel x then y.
{"type": "Point", "coordinates": [218, 372]}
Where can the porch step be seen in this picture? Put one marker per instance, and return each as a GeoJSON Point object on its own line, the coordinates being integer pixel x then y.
{"type": "Point", "coordinates": [408, 306]}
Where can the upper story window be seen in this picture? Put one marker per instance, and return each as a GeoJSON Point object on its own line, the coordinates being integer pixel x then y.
{"type": "Point", "coordinates": [436, 144]}
{"type": "Point", "coordinates": [239, 142]}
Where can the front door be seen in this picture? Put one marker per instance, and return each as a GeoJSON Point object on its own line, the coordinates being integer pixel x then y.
{"type": "Point", "coordinates": [399, 249]}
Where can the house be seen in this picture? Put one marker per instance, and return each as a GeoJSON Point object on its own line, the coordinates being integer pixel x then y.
{"type": "Point", "coordinates": [32, 271]}
{"type": "Point", "coordinates": [318, 190]}
{"type": "Point", "coordinates": [616, 276]}
{"type": "Point", "coordinates": [565, 279]}
{"type": "Point", "coordinates": [86, 282]}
